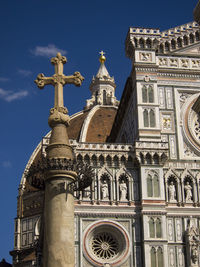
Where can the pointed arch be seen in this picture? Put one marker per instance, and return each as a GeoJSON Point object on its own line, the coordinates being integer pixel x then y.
{"type": "Point", "coordinates": [160, 257]}
{"type": "Point", "coordinates": [161, 49]}
{"type": "Point", "coordinates": [151, 228]}
{"type": "Point", "coordinates": [153, 257]}
{"type": "Point", "coordinates": [148, 158]}
{"type": "Point", "coordinates": [173, 44]}
{"type": "Point", "coordinates": [152, 118]}
{"type": "Point", "coordinates": [156, 185]}
{"type": "Point", "coordinates": [141, 43]}
{"type": "Point", "coordinates": [197, 36]}
{"type": "Point", "coordinates": [146, 118]}
{"type": "Point", "coordinates": [185, 40]}
{"type": "Point", "coordinates": [148, 43]}
{"type": "Point", "coordinates": [167, 46]}
{"type": "Point", "coordinates": [144, 93]}
{"type": "Point", "coordinates": [101, 160]}
{"type": "Point", "coordinates": [136, 42]}
{"type": "Point", "coordinates": [94, 160]}
{"type": "Point", "coordinates": [109, 160]}
{"type": "Point", "coordinates": [79, 158]}
{"type": "Point", "coordinates": [116, 161]}
{"type": "Point", "coordinates": [149, 186]}
{"type": "Point", "coordinates": [156, 158]}
{"type": "Point", "coordinates": [179, 42]}
{"type": "Point", "coordinates": [150, 94]}
{"type": "Point", "coordinates": [123, 160]}
{"type": "Point", "coordinates": [87, 159]}
{"type": "Point", "coordinates": [191, 38]}
{"type": "Point", "coordinates": [158, 228]}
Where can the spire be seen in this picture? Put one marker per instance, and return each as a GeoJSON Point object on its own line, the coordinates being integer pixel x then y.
{"type": "Point", "coordinates": [102, 72]}
{"type": "Point", "coordinates": [102, 87]}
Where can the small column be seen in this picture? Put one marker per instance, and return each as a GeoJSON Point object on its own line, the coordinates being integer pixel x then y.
{"type": "Point", "coordinates": [58, 245]}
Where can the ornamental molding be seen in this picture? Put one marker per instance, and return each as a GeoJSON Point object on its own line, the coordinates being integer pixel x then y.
{"type": "Point", "coordinates": [105, 215]}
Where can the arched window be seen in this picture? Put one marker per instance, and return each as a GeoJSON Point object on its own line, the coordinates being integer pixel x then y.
{"type": "Point", "coordinates": [156, 257]}
{"type": "Point", "coordinates": [149, 118]}
{"type": "Point", "coordinates": [153, 185]}
{"type": "Point", "coordinates": [158, 228]}
{"type": "Point", "coordinates": [155, 228]}
{"type": "Point", "coordinates": [150, 94]}
{"type": "Point", "coordinates": [197, 36]}
{"type": "Point", "coordinates": [161, 48]}
{"type": "Point", "coordinates": [151, 228]}
{"type": "Point", "coordinates": [116, 161]}
{"type": "Point", "coordinates": [141, 42]}
{"type": "Point", "coordinates": [166, 46]}
{"type": "Point", "coordinates": [160, 257]}
{"type": "Point", "coordinates": [153, 257]}
{"type": "Point", "coordinates": [104, 97]}
{"type": "Point", "coordinates": [146, 118]}
{"type": "Point", "coordinates": [109, 160]}
{"type": "Point", "coordinates": [147, 94]}
{"type": "Point", "coordinates": [152, 118]}
{"type": "Point", "coordinates": [144, 94]}
{"type": "Point", "coordinates": [179, 42]}
{"type": "Point", "coordinates": [101, 160]}
{"type": "Point", "coordinates": [149, 186]}
{"type": "Point", "coordinates": [136, 42]}
{"type": "Point", "coordinates": [148, 43]}
{"type": "Point", "coordinates": [191, 38]}
{"type": "Point", "coordinates": [173, 44]}
{"type": "Point", "coordinates": [87, 159]}
{"type": "Point", "coordinates": [94, 160]}
{"type": "Point", "coordinates": [156, 189]}
{"type": "Point", "coordinates": [185, 40]}
{"type": "Point", "coordinates": [96, 96]}
{"type": "Point", "coordinates": [79, 158]}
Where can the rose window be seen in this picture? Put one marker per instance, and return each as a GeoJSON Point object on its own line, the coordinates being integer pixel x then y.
{"type": "Point", "coordinates": [106, 242]}
{"type": "Point", "coordinates": [105, 246]}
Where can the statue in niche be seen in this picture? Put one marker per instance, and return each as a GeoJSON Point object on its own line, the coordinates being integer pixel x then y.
{"type": "Point", "coordinates": [172, 192]}
{"type": "Point", "coordinates": [188, 192]}
{"type": "Point", "coordinates": [123, 190]}
{"type": "Point", "coordinates": [104, 190]}
{"type": "Point", "coordinates": [86, 193]}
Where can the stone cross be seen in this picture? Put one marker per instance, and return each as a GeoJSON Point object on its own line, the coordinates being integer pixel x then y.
{"type": "Point", "coordinates": [58, 80]}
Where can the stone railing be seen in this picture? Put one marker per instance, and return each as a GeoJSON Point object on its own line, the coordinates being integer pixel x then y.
{"type": "Point", "coordinates": [93, 146]}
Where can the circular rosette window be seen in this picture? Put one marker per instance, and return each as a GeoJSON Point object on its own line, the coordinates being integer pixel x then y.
{"type": "Point", "coordinates": [191, 125]}
{"type": "Point", "coordinates": [106, 242]}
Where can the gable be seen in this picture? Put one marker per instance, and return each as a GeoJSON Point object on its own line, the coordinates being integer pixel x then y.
{"type": "Point", "coordinates": [189, 50]}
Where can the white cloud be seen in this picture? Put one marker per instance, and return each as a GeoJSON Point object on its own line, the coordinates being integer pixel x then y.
{"type": "Point", "coordinates": [6, 164]}
{"type": "Point", "coordinates": [47, 51]}
{"type": "Point", "coordinates": [10, 96]}
{"type": "Point", "coordinates": [25, 73]}
{"type": "Point", "coordinates": [4, 79]}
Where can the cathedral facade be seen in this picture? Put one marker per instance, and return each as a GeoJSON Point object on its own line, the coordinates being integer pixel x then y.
{"type": "Point", "coordinates": [143, 206]}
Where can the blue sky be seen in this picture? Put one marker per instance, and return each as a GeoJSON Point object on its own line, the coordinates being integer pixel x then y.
{"type": "Point", "coordinates": [32, 31]}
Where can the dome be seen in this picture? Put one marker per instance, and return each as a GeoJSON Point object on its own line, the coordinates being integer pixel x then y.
{"type": "Point", "coordinates": [91, 125]}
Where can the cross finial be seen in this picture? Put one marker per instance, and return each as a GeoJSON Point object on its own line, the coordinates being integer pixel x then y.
{"type": "Point", "coordinates": [102, 53]}
{"type": "Point", "coordinates": [102, 58]}
{"type": "Point", "coordinates": [58, 80]}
